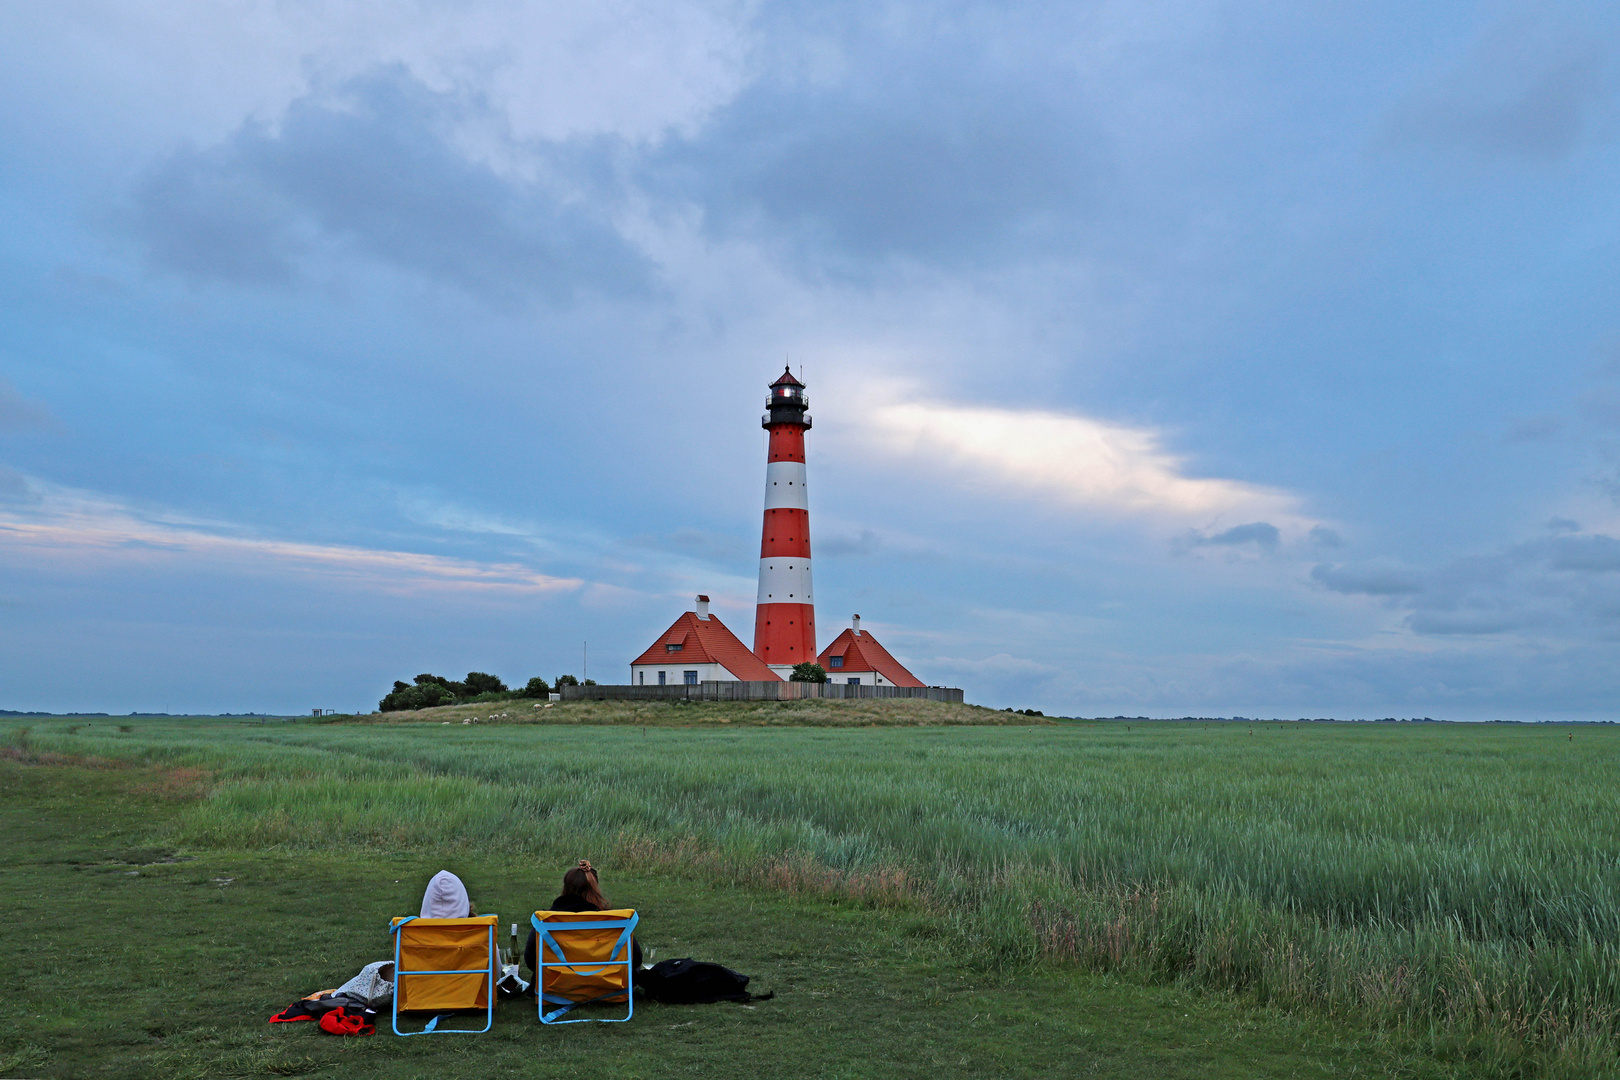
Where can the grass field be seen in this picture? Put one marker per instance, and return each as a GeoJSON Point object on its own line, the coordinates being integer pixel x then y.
{"type": "Point", "coordinates": [1454, 888]}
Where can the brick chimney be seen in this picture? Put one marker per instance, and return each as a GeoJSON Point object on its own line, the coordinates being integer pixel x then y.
{"type": "Point", "coordinates": [855, 623]}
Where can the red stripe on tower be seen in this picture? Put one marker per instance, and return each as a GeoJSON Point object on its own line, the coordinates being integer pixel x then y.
{"type": "Point", "coordinates": [785, 611]}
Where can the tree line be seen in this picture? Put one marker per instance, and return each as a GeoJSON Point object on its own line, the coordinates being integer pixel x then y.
{"type": "Point", "coordinates": [428, 690]}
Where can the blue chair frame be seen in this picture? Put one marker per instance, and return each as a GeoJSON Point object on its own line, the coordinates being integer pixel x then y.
{"type": "Point", "coordinates": [433, 1027]}
{"type": "Point", "coordinates": [621, 949]}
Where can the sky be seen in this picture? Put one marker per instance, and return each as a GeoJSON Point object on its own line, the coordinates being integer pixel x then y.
{"type": "Point", "coordinates": [1166, 358]}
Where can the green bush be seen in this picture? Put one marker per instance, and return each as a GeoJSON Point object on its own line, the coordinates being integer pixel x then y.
{"type": "Point", "coordinates": [808, 672]}
{"type": "Point", "coordinates": [431, 690]}
{"type": "Point", "coordinates": [428, 692]}
{"type": "Point", "coordinates": [477, 682]}
{"type": "Point", "coordinates": [535, 688]}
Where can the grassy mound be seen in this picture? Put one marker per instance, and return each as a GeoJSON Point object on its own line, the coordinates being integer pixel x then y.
{"type": "Point", "coordinates": [812, 712]}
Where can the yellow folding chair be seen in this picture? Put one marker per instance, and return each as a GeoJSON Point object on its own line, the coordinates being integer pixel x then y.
{"type": "Point", "coordinates": [444, 965]}
{"type": "Point", "coordinates": [584, 957]}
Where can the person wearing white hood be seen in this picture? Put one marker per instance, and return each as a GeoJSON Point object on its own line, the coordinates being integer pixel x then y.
{"type": "Point", "coordinates": [446, 898]}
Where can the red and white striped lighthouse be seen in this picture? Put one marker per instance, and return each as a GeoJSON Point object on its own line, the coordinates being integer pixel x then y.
{"type": "Point", "coordinates": [785, 612]}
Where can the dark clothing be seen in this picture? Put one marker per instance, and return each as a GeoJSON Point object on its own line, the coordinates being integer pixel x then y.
{"type": "Point", "coordinates": [571, 903]}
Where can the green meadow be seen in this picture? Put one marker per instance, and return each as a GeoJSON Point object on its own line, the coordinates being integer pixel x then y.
{"type": "Point", "coordinates": [932, 891]}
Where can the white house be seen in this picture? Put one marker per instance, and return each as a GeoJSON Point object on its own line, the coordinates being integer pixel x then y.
{"type": "Point", "coordinates": [697, 648]}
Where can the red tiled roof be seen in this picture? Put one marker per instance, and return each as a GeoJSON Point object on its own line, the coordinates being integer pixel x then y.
{"type": "Point", "coordinates": [787, 379]}
{"type": "Point", "coordinates": [865, 654]}
{"type": "Point", "coordinates": [707, 641]}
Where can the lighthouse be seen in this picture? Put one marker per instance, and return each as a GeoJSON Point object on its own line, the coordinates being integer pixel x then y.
{"type": "Point", "coordinates": [785, 612]}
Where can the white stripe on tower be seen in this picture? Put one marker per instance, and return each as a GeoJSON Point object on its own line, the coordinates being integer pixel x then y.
{"type": "Point", "coordinates": [784, 581]}
{"type": "Point", "coordinates": [785, 486]}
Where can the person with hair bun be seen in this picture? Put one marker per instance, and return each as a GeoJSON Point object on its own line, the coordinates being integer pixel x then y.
{"type": "Point", "coordinates": [581, 891]}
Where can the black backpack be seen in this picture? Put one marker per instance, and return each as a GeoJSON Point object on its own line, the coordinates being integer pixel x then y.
{"type": "Point", "coordinates": [694, 982]}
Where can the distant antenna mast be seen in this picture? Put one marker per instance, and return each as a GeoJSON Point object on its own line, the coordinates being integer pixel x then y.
{"type": "Point", "coordinates": [584, 659]}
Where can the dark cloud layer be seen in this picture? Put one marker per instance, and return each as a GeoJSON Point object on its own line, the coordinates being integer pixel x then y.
{"type": "Point", "coordinates": [18, 414]}
{"type": "Point", "coordinates": [372, 169]}
{"type": "Point", "coordinates": [13, 485]}
{"type": "Point", "coordinates": [1583, 554]}
{"type": "Point", "coordinates": [1262, 534]}
{"type": "Point", "coordinates": [930, 150]}
{"type": "Point", "coordinates": [1324, 537]}
{"type": "Point", "coordinates": [1566, 585]}
{"type": "Point", "coordinates": [1368, 579]}
{"type": "Point", "coordinates": [1521, 95]}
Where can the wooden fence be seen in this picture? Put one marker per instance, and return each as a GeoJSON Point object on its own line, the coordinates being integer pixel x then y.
{"type": "Point", "coordinates": [713, 690]}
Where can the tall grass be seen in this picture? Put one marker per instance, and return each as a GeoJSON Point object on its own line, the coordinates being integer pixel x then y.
{"type": "Point", "coordinates": [1462, 884]}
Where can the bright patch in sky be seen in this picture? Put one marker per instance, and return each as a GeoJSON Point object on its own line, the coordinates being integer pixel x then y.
{"type": "Point", "coordinates": [1104, 468]}
{"type": "Point", "coordinates": [63, 531]}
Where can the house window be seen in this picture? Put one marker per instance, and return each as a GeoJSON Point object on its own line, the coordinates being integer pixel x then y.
{"type": "Point", "coordinates": [691, 677]}
{"type": "Point", "coordinates": [676, 647]}
{"type": "Point", "coordinates": [642, 675]}
{"type": "Point", "coordinates": [835, 661]}
{"type": "Point", "coordinates": [660, 678]}
{"type": "Point", "coordinates": [853, 682]}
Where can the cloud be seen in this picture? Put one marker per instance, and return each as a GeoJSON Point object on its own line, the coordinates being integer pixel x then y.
{"type": "Point", "coordinates": [1601, 408]}
{"type": "Point", "coordinates": [950, 162]}
{"type": "Point", "coordinates": [865, 542]}
{"type": "Point", "coordinates": [207, 218]}
{"type": "Point", "coordinates": [720, 548]}
{"type": "Point", "coordinates": [1567, 585]}
{"type": "Point", "coordinates": [1533, 429]}
{"type": "Point", "coordinates": [18, 414]}
{"type": "Point", "coordinates": [1322, 536]}
{"type": "Point", "coordinates": [71, 529]}
{"type": "Point", "coordinates": [13, 485]}
{"type": "Point", "coordinates": [1594, 554]}
{"type": "Point", "coordinates": [1369, 579]}
{"type": "Point", "coordinates": [638, 69]}
{"type": "Point", "coordinates": [1452, 676]}
{"type": "Point", "coordinates": [997, 680]}
{"type": "Point", "coordinates": [999, 666]}
{"type": "Point", "coordinates": [895, 134]}
{"type": "Point", "coordinates": [1462, 622]}
{"type": "Point", "coordinates": [428, 508]}
{"type": "Point", "coordinates": [1101, 467]}
{"type": "Point", "coordinates": [1262, 534]}
{"type": "Point", "coordinates": [1524, 92]}
{"type": "Point", "coordinates": [372, 167]}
